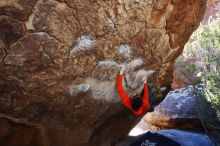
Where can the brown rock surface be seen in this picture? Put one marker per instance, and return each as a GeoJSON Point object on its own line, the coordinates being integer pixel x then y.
{"type": "Point", "coordinates": [17, 132]}
{"type": "Point", "coordinates": [178, 83]}
{"type": "Point", "coordinates": [59, 61]}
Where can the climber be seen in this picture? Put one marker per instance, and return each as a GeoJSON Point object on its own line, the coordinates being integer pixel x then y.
{"type": "Point", "coordinates": [137, 104]}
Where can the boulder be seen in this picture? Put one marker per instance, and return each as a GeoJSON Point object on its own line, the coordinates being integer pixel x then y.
{"type": "Point", "coordinates": [177, 110]}
{"type": "Point", "coordinates": [60, 59]}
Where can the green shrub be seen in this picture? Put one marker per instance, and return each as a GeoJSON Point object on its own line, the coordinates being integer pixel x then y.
{"type": "Point", "coordinates": [207, 114]}
{"type": "Point", "coordinates": [205, 47]}
{"type": "Point", "coordinates": [185, 70]}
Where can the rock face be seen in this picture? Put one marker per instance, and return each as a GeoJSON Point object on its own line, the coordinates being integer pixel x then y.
{"type": "Point", "coordinates": [16, 132]}
{"type": "Point", "coordinates": [60, 58]}
{"type": "Point", "coordinates": [179, 83]}
{"type": "Point", "coordinates": [178, 110]}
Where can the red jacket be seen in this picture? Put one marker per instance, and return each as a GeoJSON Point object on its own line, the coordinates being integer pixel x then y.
{"type": "Point", "coordinates": [127, 100]}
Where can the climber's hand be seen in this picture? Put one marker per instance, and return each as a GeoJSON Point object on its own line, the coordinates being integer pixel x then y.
{"type": "Point", "coordinates": [122, 70]}
{"type": "Point", "coordinates": [144, 80]}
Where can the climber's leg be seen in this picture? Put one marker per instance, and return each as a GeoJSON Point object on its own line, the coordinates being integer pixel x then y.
{"type": "Point", "coordinates": [151, 100]}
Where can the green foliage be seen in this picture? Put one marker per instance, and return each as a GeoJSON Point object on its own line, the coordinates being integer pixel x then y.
{"type": "Point", "coordinates": [205, 39]}
{"type": "Point", "coordinates": [212, 82]}
{"type": "Point", "coordinates": [207, 114]}
{"type": "Point", "coordinates": [186, 71]}
{"type": "Point", "coordinates": [186, 66]}
{"type": "Point", "coordinates": [205, 47]}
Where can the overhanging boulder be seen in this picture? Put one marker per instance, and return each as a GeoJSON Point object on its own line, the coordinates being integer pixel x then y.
{"type": "Point", "coordinates": [60, 58]}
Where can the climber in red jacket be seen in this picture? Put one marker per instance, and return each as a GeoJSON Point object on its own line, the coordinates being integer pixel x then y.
{"type": "Point", "coordinates": [136, 104]}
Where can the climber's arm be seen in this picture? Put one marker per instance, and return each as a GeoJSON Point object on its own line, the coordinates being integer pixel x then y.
{"type": "Point", "coordinates": [126, 101]}
{"type": "Point", "coordinates": [146, 96]}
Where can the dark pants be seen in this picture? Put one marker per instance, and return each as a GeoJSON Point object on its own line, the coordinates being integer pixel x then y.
{"type": "Point", "coordinates": [150, 100]}
{"type": "Point", "coordinates": [154, 139]}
